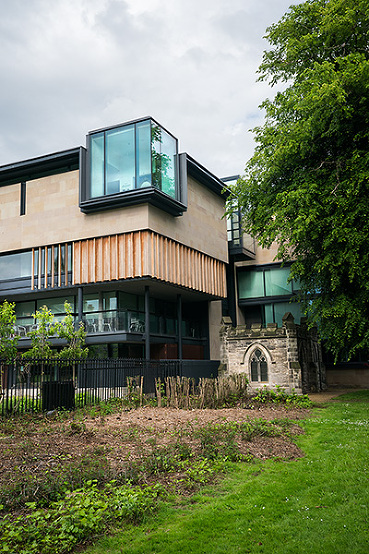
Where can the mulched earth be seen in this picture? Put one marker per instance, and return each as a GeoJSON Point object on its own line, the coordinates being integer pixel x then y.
{"type": "Point", "coordinates": [44, 446]}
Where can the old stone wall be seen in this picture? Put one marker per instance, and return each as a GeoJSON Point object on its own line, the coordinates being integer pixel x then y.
{"type": "Point", "coordinates": [290, 355]}
{"type": "Point", "coordinates": [310, 358]}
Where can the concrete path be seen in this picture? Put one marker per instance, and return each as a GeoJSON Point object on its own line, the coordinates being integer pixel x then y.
{"type": "Point", "coordinates": [330, 393]}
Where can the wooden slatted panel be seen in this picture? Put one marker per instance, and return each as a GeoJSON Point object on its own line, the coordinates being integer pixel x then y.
{"type": "Point", "coordinates": [39, 270]}
{"type": "Point", "coordinates": [130, 255]}
{"type": "Point", "coordinates": [145, 253]}
{"type": "Point", "coordinates": [33, 270]}
{"type": "Point", "coordinates": [52, 267]}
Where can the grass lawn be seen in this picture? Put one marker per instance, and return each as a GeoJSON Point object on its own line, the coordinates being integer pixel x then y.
{"type": "Point", "coordinates": [316, 504]}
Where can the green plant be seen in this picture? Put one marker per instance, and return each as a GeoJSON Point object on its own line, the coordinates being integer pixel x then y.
{"type": "Point", "coordinates": [40, 337]}
{"type": "Point", "coordinates": [318, 503]}
{"type": "Point", "coordinates": [305, 188]}
{"type": "Point", "coordinates": [219, 441]}
{"type": "Point", "coordinates": [8, 337]}
{"type": "Point", "coordinates": [78, 515]}
{"type": "Point", "coordinates": [201, 472]}
{"type": "Point", "coordinates": [23, 404]}
{"type": "Point", "coordinates": [85, 399]}
{"type": "Point", "coordinates": [75, 336]}
{"type": "Point", "coordinates": [280, 396]}
{"type": "Point", "coordinates": [28, 487]}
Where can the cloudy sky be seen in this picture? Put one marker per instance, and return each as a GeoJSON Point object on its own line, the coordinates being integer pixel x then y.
{"type": "Point", "coordinates": [71, 66]}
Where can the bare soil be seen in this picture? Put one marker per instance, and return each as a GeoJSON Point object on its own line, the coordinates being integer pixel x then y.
{"type": "Point", "coordinates": [42, 446]}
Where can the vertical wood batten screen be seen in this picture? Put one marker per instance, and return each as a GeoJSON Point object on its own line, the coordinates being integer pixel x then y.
{"type": "Point", "coordinates": [146, 254]}
{"type": "Point", "coordinates": [50, 266]}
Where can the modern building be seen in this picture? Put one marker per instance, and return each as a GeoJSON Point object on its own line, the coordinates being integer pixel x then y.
{"type": "Point", "coordinates": [132, 234]}
{"type": "Point", "coordinates": [126, 229]}
{"type": "Point", "coordinates": [258, 288]}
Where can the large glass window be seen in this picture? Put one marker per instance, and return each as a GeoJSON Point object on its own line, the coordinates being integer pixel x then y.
{"type": "Point", "coordinates": [24, 314]}
{"type": "Point", "coordinates": [120, 160]}
{"type": "Point", "coordinates": [276, 282]}
{"type": "Point", "coordinates": [14, 266]}
{"type": "Point", "coordinates": [56, 305]}
{"type": "Point", "coordinates": [234, 228]}
{"type": "Point", "coordinates": [281, 308]}
{"type": "Point", "coordinates": [133, 156]}
{"type": "Point", "coordinates": [143, 145]}
{"type": "Point", "coordinates": [163, 160]}
{"type": "Point", "coordinates": [251, 284]}
{"type": "Point", "coordinates": [97, 165]}
{"type": "Point", "coordinates": [258, 283]}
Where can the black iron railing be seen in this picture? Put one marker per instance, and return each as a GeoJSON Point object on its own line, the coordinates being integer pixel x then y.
{"type": "Point", "coordinates": [48, 384]}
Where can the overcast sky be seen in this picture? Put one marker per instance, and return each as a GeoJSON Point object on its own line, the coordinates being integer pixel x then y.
{"type": "Point", "coordinates": [71, 66]}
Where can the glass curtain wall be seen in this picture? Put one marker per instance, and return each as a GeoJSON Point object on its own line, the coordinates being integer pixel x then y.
{"type": "Point", "coordinates": [258, 283]}
{"type": "Point", "coordinates": [48, 261]}
{"type": "Point", "coordinates": [268, 282]}
{"type": "Point", "coordinates": [14, 266]}
{"type": "Point", "coordinates": [118, 311]}
{"type": "Point", "coordinates": [24, 311]}
{"type": "Point", "coordinates": [131, 157]}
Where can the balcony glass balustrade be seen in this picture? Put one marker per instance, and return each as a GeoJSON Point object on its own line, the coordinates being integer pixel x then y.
{"type": "Point", "coordinates": [120, 321]}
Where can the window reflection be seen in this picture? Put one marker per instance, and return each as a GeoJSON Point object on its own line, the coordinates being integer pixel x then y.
{"type": "Point", "coordinates": [133, 156]}
{"type": "Point", "coordinates": [14, 266]}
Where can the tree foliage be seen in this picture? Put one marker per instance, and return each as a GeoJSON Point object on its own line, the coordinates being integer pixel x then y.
{"type": "Point", "coordinates": [75, 337]}
{"type": "Point", "coordinates": [306, 186]}
{"type": "Point", "coordinates": [8, 337]}
{"type": "Point", "coordinates": [40, 336]}
{"type": "Point", "coordinates": [46, 328]}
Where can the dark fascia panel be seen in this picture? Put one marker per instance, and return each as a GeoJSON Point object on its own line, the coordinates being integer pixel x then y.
{"type": "Point", "coordinates": [205, 177]}
{"type": "Point", "coordinates": [131, 122]}
{"type": "Point", "coordinates": [42, 166]}
{"type": "Point", "coordinates": [239, 253]}
{"type": "Point", "coordinates": [151, 195]}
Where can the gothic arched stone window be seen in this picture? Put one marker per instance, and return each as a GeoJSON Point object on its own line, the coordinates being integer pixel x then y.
{"type": "Point", "coordinates": [258, 366]}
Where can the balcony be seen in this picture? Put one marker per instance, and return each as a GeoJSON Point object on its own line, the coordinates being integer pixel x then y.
{"type": "Point", "coordinates": [241, 246]}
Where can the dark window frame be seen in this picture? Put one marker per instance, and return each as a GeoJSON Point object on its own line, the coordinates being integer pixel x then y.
{"type": "Point", "coordinates": [23, 197]}
{"type": "Point", "coordinates": [259, 365]}
{"type": "Point", "coordinates": [152, 195]}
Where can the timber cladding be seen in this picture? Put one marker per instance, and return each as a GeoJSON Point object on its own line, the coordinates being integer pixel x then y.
{"type": "Point", "coordinates": [146, 254]}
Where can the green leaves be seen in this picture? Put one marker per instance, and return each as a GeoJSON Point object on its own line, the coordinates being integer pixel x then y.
{"type": "Point", "coordinates": [47, 328]}
{"type": "Point", "coordinates": [8, 338]}
{"type": "Point", "coordinates": [41, 334]}
{"type": "Point", "coordinates": [75, 337]}
{"type": "Point", "coordinates": [306, 187]}
{"type": "Point", "coordinates": [76, 517]}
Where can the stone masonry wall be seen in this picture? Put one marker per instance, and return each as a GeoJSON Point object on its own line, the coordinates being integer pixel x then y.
{"type": "Point", "coordinates": [288, 351]}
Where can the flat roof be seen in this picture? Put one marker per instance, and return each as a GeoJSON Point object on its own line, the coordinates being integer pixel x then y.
{"type": "Point", "coordinates": [34, 168]}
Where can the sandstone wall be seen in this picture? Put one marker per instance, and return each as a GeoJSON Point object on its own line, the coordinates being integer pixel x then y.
{"type": "Point", "coordinates": [292, 356]}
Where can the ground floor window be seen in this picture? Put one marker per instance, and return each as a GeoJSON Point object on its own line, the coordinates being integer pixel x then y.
{"type": "Point", "coordinates": [258, 366]}
{"type": "Point", "coordinates": [271, 312]}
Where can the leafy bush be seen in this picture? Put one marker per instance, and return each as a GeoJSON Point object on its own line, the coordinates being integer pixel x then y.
{"type": "Point", "coordinates": [80, 514]}
{"type": "Point", "coordinates": [280, 396]}
{"type": "Point", "coordinates": [51, 487]}
{"type": "Point", "coordinates": [21, 405]}
{"type": "Point", "coordinates": [85, 399]}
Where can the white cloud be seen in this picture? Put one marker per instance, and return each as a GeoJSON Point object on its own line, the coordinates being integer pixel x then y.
{"type": "Point", "coordinates": [70, 66]}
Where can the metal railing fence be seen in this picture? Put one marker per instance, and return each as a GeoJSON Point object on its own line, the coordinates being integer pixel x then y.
{"type": "Point", "coordinates": [48, 384]}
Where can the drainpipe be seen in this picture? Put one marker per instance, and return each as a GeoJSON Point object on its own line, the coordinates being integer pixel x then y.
{"type": "Point", "coordinates": [80, 304]}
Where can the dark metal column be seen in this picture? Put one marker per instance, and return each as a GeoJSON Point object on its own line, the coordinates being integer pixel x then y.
{"type": "Point", "coordinates": [147, 323]}
{"type": "Point", "coordinates": [179, 323]}
{"type": "Point", "coordinates": [231, 292]}
{"type": "Point", "coordinates": [80, 304]}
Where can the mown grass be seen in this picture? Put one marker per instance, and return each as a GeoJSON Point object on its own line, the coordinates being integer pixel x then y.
{"type": "Point", "coordinates": [315, 504]}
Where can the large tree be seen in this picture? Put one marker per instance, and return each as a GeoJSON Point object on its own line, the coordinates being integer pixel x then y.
{"type": "Point", "coordinates": [306, 186]}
